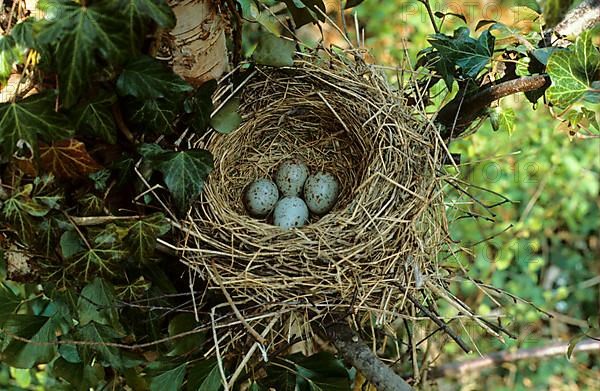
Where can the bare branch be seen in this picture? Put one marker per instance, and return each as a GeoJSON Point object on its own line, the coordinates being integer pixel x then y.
{"type": "Point", "coordinates": [494, 359]}
{"type": "Point", "coordinates": [357, 353]}
{"type": "Point", "coordinates": [459, 113]}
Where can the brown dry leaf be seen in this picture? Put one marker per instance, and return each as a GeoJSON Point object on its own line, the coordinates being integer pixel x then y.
{"type": "Point", "coordinates": [67, 159]}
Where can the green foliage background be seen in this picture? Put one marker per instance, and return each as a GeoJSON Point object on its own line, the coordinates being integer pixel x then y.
{"type": "Point", "coordinates": [550, 255]}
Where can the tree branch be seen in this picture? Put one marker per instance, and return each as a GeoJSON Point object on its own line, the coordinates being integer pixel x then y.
{"type": "Point", "coordinates": [495, 359]}
{"type": "Point", "coordinates": [581, 18]}
{"type": "Point", "coordinates": [356, 352]}
{"type": "Point", "coordinates": [459, 113]}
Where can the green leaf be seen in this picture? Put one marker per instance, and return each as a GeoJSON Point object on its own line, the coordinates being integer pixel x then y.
{"type": "Point", "coordinates": [23, 33]}
{"type": "Point", "coordinates": [574, 73]}
{"type": "Point", "coordinates": [352, 3]}
{"type": "Point", "coordinates": [321, 371]}
{"type": "Point", "coordinates": [141, 236]}
{"type": "Point", "coordinates": [199, 106]}
{"type": "Point", "coordinates": [97, 303]}
{"type": "Point", "coordinates": [506, 119]}
{"type": "Point", "coordinates": [183, 345]}
{"type": "Point", "coordinates": [139, 13]}
{"type": "Point", "coordinates": [40, 330]}
{"type": "Point", "coordinates": [227, 119]}
{"type": "Point", "coordinates": [9, 56]}
{"type": "Point", "coordinates": [300, 11]}
{"type": "Point", "coordinates": [204, 376]}
{"type": "Point", "coordinates": [29, 119]}
{"type": "Point", "coordinates": [99, 335]}
{"type": "Point", "coordinates": [184, 173]}
{"type": "Point", "coordinates": [469, 54]}
{"type": "Point", "coordinates": [573, 343]}
{"type": "Point", "coordinates": [78, 33]}
{"type": "Point", "coordinates": [170, 380]}
{"type": "Point", "coordinates": [156, 115]}
{"type": "Point", "coordinates": [8, 301]}
{"type": "Point", "coordinates": [274, 51]}
{"type": "Point", "coordinates": [81, 376]}
{"type": "Point", "coordinates": [147, 78]}
{"type": "Point", "coordinates": [70, 244]}
{"type": "Point", "coordinates": [95, 118]}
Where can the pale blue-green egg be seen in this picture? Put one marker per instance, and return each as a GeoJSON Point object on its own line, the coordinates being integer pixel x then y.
{"type": "Point", "coordinates": [260, 197]}
{"type": "Point", "coordinates": [290, 177]}
{"type": "Point", "coordinates": [321, 191]}
{"type": "Point", "coordinates": [290, 212]}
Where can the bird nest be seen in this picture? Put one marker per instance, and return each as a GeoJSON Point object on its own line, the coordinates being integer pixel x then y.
{"type": "Point", "coordinates": [336, 113]}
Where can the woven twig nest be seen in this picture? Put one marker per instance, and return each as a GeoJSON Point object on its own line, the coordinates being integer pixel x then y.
{"type": "Point", "coordinates": [338, 114]}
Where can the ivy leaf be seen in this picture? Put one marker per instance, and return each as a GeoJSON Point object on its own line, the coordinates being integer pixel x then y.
{"type": "Point", "coordinates": [184, 173]}
{"type": "Point", "coordinates": [156, 115]}
{"type": "Point", "coordinates": [352, 3]}
{"type": "Point", "coordinates": [97, 303]}
{"type": "Point", "coordinates": [321, 371]}
{"type": "Point", "coordinates": [469, 54]}
{"type": "Point", "coordinates": [204, 376]}
{"type": "Point", "coordinates": [169, 380]}
{"type": "Point", "coordinates": [300, 11]}
{"type": "Point", "coordinates": [199, 106]}
{"type": "Point", "coordinates": [40, 330]}
{"type": "Point", "coordinates": [141, 236]}
{"type": "Point", "coordinates": [503, 118]}
{"type": "Point", "coordinates": [28, 119]}
{"type": "Point", "coordinates": [8, 301]}
{"type": "Point", "coordinates": [138, 13]}
{"type": "Point", "coordinates": [147, 78]}
{"type": "Point", "coordinates": [95, 118]}
{"type": "Point", "coordinates": [274, 51]}
{"type": "Point", "coordinates": [574, 73]}
{"type": "Point", "coordinates": [81, 376]}
{"type": "Point", "coordinates": [227, 119]}
{"type": "Point", "coordinates": [19, 209]}
{"type": "Point", "coordinates": [67, 159]}
{"type": "Point", "coordinates": [183, 345]}
{"type": "Point", "coordinates": [98, 335]}
{"type": "Point", "coordinates": [77, 33]}
{"type": "Point", "coordinates": [9, 56]}
{"type": "Point", "coordinates": [23, 33]}
{"type": "Point", "coordinates": [70, 244]}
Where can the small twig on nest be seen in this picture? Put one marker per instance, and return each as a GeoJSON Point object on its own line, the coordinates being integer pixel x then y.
{"type": "Point", "coordinates": [440, 323]}
{"type": "Point", "coordinates": [357, 353]}
{"type": "Point", "coordinates": [497, 358]}
{"type": "Point", "coordinates": [257, 337]}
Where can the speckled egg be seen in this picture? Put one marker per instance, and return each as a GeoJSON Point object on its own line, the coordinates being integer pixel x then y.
{"type": "Point", "coordinates": [321, 191]}
{"type": "Point", "coordinates": [290, 177]}
{"type": "Point", "coordinates": [290, 212]}
{"type": "Point", "coordinates": [260, 197]}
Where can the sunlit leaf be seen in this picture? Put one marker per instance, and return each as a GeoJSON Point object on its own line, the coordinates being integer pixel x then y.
{"type": "Point", "coordinates": [574, 73]}
{"type": "Point", "coordinates": [29, 119]}
{"type": "Point", "coordinates": [67, 159]}
{"type": "Point", "coordinates": [9, 56]}
{"type": "Point", "coordinates": [227, 119]}
{"type": "Point", "coordinates": [274, 51]}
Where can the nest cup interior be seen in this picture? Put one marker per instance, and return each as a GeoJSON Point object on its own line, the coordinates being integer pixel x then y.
{"type": "Point", "coordinates": [299, 129]}
{"type": "Point", "coordinates": [340, 117]}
